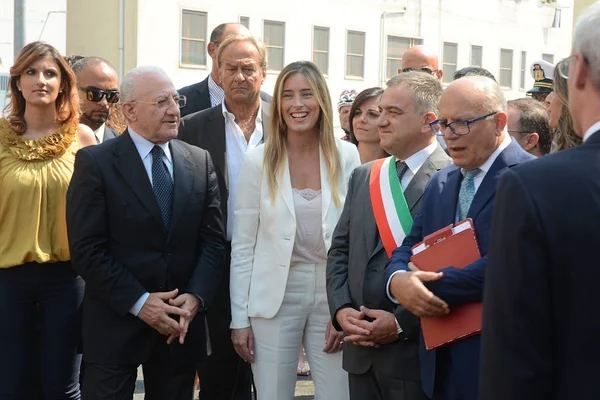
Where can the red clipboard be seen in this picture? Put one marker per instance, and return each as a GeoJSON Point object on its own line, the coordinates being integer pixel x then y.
{"type": "Point", "coordinates": [454, 245]}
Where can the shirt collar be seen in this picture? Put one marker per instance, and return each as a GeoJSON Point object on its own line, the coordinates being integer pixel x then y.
{"type": "Point", "coordinates": [100, 130]}
{"type": "Point", "coordinates": [485, 167]}
{"type": "Point", "coordinates": [230, 116]}
{"type": "Point", "coordinates": [591, 130]}
{"type": "Point", "coordinates": [416, 161]}
{"type": "Point", "coordinates": [144, 146]}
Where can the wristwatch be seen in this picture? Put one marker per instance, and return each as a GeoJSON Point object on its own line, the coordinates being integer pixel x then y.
{"type": "Point", "coordinates": [399, 331]}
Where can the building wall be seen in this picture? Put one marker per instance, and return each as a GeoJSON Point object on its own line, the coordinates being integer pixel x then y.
{"type": "Point", "coordinates": [579, 6]}
{"type": "Point", "coordinates": [38, 12]}
{"type": "Point", "coordinates": [93, 29]}
{"type": "Point", "coordinates": [493, 24]}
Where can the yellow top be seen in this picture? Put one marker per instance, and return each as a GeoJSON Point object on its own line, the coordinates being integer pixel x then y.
{"type": "Point", "coordinates": [34, 176]}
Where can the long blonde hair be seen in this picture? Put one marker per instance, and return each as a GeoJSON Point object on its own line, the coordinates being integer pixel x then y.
{"type": "Point", "coordinates": [565, 136]}
{"type": "Point", "coordinates": [275, 146]}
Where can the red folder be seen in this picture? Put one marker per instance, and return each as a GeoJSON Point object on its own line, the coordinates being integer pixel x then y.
{"type": "Point", "coordinates": [456, 246]}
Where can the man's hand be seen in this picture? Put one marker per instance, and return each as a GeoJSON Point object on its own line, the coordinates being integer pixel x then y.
{"type": "Point", "coordinates": [342, 317]}
{"type": "Point", "coordinates": [333, 339]}
{"type": "Point", "coordinates": [243, 341]}
{"type": "Point", "coordinates": [408, 289]}
{"type": "Point", "coordinates": [187, 302]}
{"type": "Point", "coordinates": [382, 328]}
{"type": "Point", "coordinates": [155, 312]}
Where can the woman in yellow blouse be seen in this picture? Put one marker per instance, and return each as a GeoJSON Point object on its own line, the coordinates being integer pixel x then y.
{"type": "Point", "coordinates": [38, 141]}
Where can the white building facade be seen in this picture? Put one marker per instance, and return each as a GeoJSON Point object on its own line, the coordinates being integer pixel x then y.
{"type": "Point", "coordinates": [359, 43]}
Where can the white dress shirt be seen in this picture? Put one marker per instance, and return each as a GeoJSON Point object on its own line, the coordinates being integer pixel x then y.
{"type": "Point", "coordinates": [216, 92]}
{"type": "Point", "coordinates": [235, 148]}
{"type": "Point", "coordinates": [415, 162]}
{"type": "Point", "coordinates": [144, 148]}
{"type": "Point", "coordinates": [591, 130]}
{"type": "Point", "coordinates": [99, 133]}
{"type": "Point", "coordinates": [484, 168]}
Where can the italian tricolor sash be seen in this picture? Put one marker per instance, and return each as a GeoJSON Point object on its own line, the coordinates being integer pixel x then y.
{"type": "Point", "coordinates": [391, 212]}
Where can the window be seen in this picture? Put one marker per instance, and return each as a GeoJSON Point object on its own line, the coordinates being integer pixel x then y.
{"type": "Point", "coordinates": [355, 54]}
{"type": "Point", "coordinates": [245, 21]}
{"type": "Point", "coordinates": [523, 69]}
{"type": "Point", "coordinates": [274, 42]}
{"type": "Point", "coordinates": [396, 46]}
{"type": "Point", "coordinates": [548, 57]}
{"type": "Point", "coordinates": [193, 38]}
{"type": "Point", "coordinates": [476, 56]}
{"type": "Point", "coordinates": [320, 55]}
{"type": "Point", "coordinates": [506, 66]}
{"type": "Point", "coordinates": [449, 61]}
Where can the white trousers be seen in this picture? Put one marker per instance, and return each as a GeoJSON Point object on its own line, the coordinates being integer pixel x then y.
{"type": "Point", "coordinates": [302, 318]}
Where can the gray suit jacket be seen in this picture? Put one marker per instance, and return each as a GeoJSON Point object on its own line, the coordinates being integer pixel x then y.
{"type": "Point", "coordinates": [355, 272]}
{"type": "Point", "coordinates": [109, 134]}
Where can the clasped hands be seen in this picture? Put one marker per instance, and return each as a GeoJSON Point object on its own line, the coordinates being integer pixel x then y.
{"type": "Point", "coordinates": [159, 307]}
{"type": "Point", "coordinates": [408, 289]}
{"type": "Point", "coordinates": [360, 331]}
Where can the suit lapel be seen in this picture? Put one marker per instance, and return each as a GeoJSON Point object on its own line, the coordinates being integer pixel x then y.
{"type": "Point", "coordinates": [215, 131]}
{"type": "Point", "coordinates": [487, 189]}
{"type": "Point", "coordinates": [449, 198]}
{"type": "Point", "coordinates": [286, 187]}
{"type": "Point", "coordinates": [130, 166]}
{"type": "Point", "coordinates": [183, 181]}
{"type": "Point", "coordinates": [325, 186]}
{"type": "Point", "coordinates": [417, 185]}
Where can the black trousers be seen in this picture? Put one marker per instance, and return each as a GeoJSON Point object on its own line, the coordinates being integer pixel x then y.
{"type": "Point", "coordinates": [164, 379]}
{"type": "Point", "coordinates": [40, 328]}
{"type": "Point", "coordinates": [223, 375]}
{"type": "Point", "coordinates": [381, 384]}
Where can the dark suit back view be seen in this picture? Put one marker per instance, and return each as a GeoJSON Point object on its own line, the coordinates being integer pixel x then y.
{"type": "Point", "coordinates": [540, 327]}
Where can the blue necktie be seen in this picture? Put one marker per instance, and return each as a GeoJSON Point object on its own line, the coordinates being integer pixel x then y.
{"type": "Point", "coordinates": [466, 193]}
{"type": "Point", "coordinates": [162, 184]}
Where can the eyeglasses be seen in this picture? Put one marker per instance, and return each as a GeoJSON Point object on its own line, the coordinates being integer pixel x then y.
{"type": "Point", "coordinates": [563, 65]}
{"type": "Point", "coordinates": [457, 127]}
{"type": "Point", "coordinates": [181, 101]}
{"type": "Point", "coordinates": [95, 95]}
{"type": "Point", "coordinates": [422, 69]}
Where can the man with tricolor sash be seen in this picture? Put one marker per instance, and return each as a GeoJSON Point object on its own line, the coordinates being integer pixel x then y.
{"type": "Point", "coordinates": [381, 349]}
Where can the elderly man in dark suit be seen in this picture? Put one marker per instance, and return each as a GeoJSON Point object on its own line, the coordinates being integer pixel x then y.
{"type": "Point", "coordinates": [358, 256]}
{"type": "Point", "coordinates": [228, 131]}
{"type": "Point", "coordinates": [98, 85]}
{"type": "Point", "coordinates": [146, 233]}
{"type": "Point", "coordinates": [473, 121]}
{"type": "Point", "coordinates": [210, 91]}
{"type": "Point", "coordinates": [540, 325]}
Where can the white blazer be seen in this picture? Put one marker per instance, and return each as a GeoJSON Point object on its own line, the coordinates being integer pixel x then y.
{"type": "Point", "coordinates": [264, 233]}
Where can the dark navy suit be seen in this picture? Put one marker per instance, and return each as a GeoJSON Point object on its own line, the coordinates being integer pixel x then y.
{"type": "Point", "coordinates": [452, 371]}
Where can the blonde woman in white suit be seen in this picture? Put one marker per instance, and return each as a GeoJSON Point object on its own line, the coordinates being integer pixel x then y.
{"type": "Point", "coordinates": [293, 189]}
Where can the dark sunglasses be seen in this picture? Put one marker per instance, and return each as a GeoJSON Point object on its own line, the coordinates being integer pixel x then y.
{"type": "Point", "coordinates": [95, 95]}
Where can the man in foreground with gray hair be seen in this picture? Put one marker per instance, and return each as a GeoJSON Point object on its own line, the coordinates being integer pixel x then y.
{"type": "Point", "coordinates": [540, 325]}
{"type": "Point", "coordinates": [472, 119]}
{"type": "Point", "coordinates": [146, 234]}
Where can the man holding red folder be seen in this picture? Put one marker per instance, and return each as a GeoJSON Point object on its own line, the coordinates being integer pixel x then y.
{"type": "Point", "coordinates": [472, 120]}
